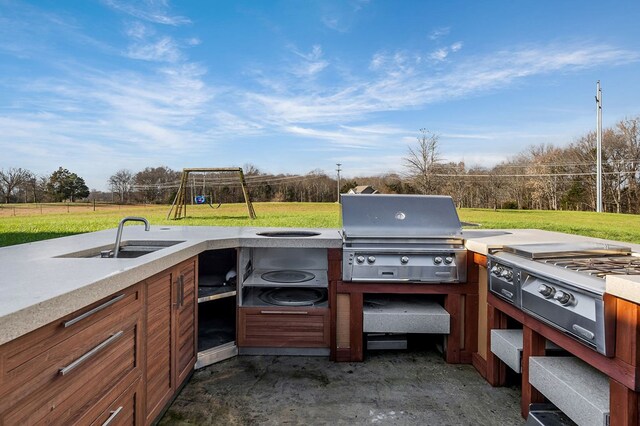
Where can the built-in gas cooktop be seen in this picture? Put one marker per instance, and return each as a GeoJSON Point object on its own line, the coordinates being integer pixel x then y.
{"type": "Point", "coordinates": [563, 284]}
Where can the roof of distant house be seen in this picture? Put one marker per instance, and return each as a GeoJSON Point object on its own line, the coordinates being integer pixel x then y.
{"type": "Point", "coordinates": [363, 189]}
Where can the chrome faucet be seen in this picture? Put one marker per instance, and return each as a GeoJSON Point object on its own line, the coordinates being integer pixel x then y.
{"type": "Point", "coordinates": [147, 227]}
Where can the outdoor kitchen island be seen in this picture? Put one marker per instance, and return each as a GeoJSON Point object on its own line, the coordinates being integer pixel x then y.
{"type": "Point", "coordinates": [46, 282]}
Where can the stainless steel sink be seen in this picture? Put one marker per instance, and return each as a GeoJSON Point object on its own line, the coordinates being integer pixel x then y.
{"type": "Point", "coordinates": [288, 234]}
{"type": "Point", "coordinates": [128, 249]}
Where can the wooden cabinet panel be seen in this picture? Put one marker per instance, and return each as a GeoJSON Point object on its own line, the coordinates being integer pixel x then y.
{"type": "Point", "coordinates": [76, 373]}
{"type": "Point", "coordinates": [171, 334]}
{"type": "Point", "coordinates": [284, 327]}
{"type": "Point", "coordinates": [186, 320]}
{"type": "Point", "coordinates": [124, 410]}
{"type": "Point", "coordinates": [159, 344]}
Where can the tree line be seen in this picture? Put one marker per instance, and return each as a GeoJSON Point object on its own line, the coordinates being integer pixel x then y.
{"type": "Point", "coordinates": [21, 185]}
{"type": "Point", "coordinates": [540, 177]}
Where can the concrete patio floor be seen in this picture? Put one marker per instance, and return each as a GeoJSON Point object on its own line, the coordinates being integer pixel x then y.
{"type": "Point", "coordinates": [399, 388]}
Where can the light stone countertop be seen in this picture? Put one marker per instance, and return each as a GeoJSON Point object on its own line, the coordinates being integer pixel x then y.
{"type": "Point", "coordinates": [38, 287]}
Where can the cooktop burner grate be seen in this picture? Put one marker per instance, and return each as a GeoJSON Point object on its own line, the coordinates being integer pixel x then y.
{"type": "Point", "coordinates": [288, 276]}
{"type": "Point", "coordinates": [600, 266]}
{"type": "Point", "coordinates": [288, 296]}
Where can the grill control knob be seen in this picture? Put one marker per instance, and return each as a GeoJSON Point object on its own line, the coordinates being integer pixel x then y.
{"type": "Point", "coordinates": [563, 297]}
{"type": "Point", "coordinates": [546, 290]}
{"type": "Point", "coordinates": [360, 259]}
{"type": "Point", "coordinates": [448, 260]}
{"type": "Point", "coordinates": [371, 259]}
{"type": "Point", "coordinates": [507, 274]}
{"type": "Point", "coordinates": [494, 270]}
{"type": "Point", "coordinates": [437, 260]}
{"type": "Point", "coordinates": [404, 259]}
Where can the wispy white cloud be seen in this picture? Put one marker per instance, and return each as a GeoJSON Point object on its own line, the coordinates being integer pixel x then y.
{"type": "Point", "coordinates": [362, 136]}
{"type": "Point", "coordinates": [156, 11]}
{"type": "Point", "coordinates": [439, 32]}
{"type": "Point", "coordinates": [442, 53]}
{"type": "Point", "coordinates": [481, 136]}
{"type": "Point", "coordinates": [164, 49]}
{"type": "Point", "coordinates": [341, 16]}
{"type": "Point", "coordinates": [401, 83]}
{"type": "Point", "coordinates": [439, 55]}
{"type": "Point", "coordinates": [333, 22]}
{"type": "Point", "coordinates": [312, 62]}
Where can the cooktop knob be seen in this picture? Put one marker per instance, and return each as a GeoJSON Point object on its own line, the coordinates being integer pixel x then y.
{"type": "Point", "coordinates": [371, 259]}
{"type": "Point", "coordinates": [507, 274]}
{"type": "Point", "coordinates": [563, 297]}
{"type": "Point", "coordinates": [448, 260]}
{"type": "Point", "coordinates": [404, 259]}
{"type": "Point", "coordinates": [494, 270]}
{"type": "Point", "coordinates": [360, 259]}
{"type": "Point", "coordinates": [546, 290]}
{"type": "Point", "coordinates": [437, 260]}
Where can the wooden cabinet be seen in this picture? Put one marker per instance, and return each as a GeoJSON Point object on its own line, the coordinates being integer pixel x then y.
{"type": "Point", "coordinates": [284, 327]}
{"type": "Point", "coordinates": [170, 338]}
{"type": "Point", "coordinates": [61, 372]}
{"type": "Point", "coordinates": [119, 360]}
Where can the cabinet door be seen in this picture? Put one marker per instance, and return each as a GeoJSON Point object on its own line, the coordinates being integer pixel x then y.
{"type": "Point", "coordinates": [186, 320]}
{"type": "Point", "coordinates": [160, 376]}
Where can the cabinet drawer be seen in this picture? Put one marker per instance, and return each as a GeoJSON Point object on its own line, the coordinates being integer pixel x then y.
{"type": "Point", "coordinates": [284, 327]}
{"type": "Point", "coordinates": [63, 370]}
{"type": "Point", "coordinates": [25, 348]}
{"type": "Point", "coordinates": [71, 390]}
{"type": "Point", "coordinates": [122, 409]}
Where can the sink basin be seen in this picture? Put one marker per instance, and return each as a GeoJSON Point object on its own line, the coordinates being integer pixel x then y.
{"type": "Point", "coordinates": [128, 249]}
{"type": "Point", "coordinates": [288, 234]}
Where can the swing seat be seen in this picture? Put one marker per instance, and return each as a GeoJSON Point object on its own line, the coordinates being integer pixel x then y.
{"type": "Point", "coordinates": [199, 199]}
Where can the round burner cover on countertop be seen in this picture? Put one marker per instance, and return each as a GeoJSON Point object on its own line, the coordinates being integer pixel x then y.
{"type": "Point", "coordinates": [287, 276]}
{"type": "Point", "coordinates": [293, 296]}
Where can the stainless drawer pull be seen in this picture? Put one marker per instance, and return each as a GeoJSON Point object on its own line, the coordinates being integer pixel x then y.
{"type": "Point", "coordinates": [506, 293]}
{"type": "Point", "coordinates": [285, 312]}
{"type": "Point", "coordinates": [113, 415]}
{"type": "Point", "coordinates": [66, 370]}
{"type": "Point", "coordinates": [93, 311]}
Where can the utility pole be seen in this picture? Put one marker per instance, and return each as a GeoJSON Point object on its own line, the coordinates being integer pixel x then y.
{"type": "Point", "coordinates": [338, 170]}
{"type": "Point", "coordinates": [599, 148]}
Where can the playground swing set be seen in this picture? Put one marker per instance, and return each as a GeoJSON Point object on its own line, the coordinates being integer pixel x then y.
{"type": "Point", "coordinates": [179, 205]}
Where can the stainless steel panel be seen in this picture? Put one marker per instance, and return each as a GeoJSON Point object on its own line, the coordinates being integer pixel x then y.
{"type": "Point", "coordinates": [508, 290]}
{"type": "Point", "coordinates": [400, 216]}
{"type": "Point", "coordinates": [551, 250]}
{"type": "Point", "coordinates": [583, 319]}
{"type": "Point", "coordinates": [419, 267]}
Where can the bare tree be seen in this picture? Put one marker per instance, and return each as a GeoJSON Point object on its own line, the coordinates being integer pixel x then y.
{"type": "Point", "coordinates": [422, 160]}
{"type": "Point", "coordinates": [11, 179]}
{"type": "Point", "coordinates": [156, 184]}
{"type": "Point", "coordinates": [121, 183]}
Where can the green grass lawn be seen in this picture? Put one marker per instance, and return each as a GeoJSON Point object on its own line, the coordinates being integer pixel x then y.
{"type": "Point", "coordinates": [30, 223]}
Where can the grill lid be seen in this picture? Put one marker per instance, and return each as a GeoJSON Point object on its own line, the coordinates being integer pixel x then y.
{"type": "Point", "coordinates": [399, 216]}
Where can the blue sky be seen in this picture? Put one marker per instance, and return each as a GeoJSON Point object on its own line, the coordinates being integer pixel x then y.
{"type": "Point", "coordinates": [293, 86]}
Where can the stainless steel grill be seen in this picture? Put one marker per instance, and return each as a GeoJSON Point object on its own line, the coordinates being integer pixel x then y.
{"type": "Point", "coordinates": [402, 238]}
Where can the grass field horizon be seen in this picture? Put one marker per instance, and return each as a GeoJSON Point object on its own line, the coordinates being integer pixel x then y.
{"type": "Point", "coordinates": [23, 223]}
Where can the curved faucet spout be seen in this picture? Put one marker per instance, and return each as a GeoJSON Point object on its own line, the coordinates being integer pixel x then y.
{"type": "Point", "coordinates": [147, 227]}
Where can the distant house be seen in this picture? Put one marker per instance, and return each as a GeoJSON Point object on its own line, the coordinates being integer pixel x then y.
{"type": "Point", "coordinates": [362, 189]}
